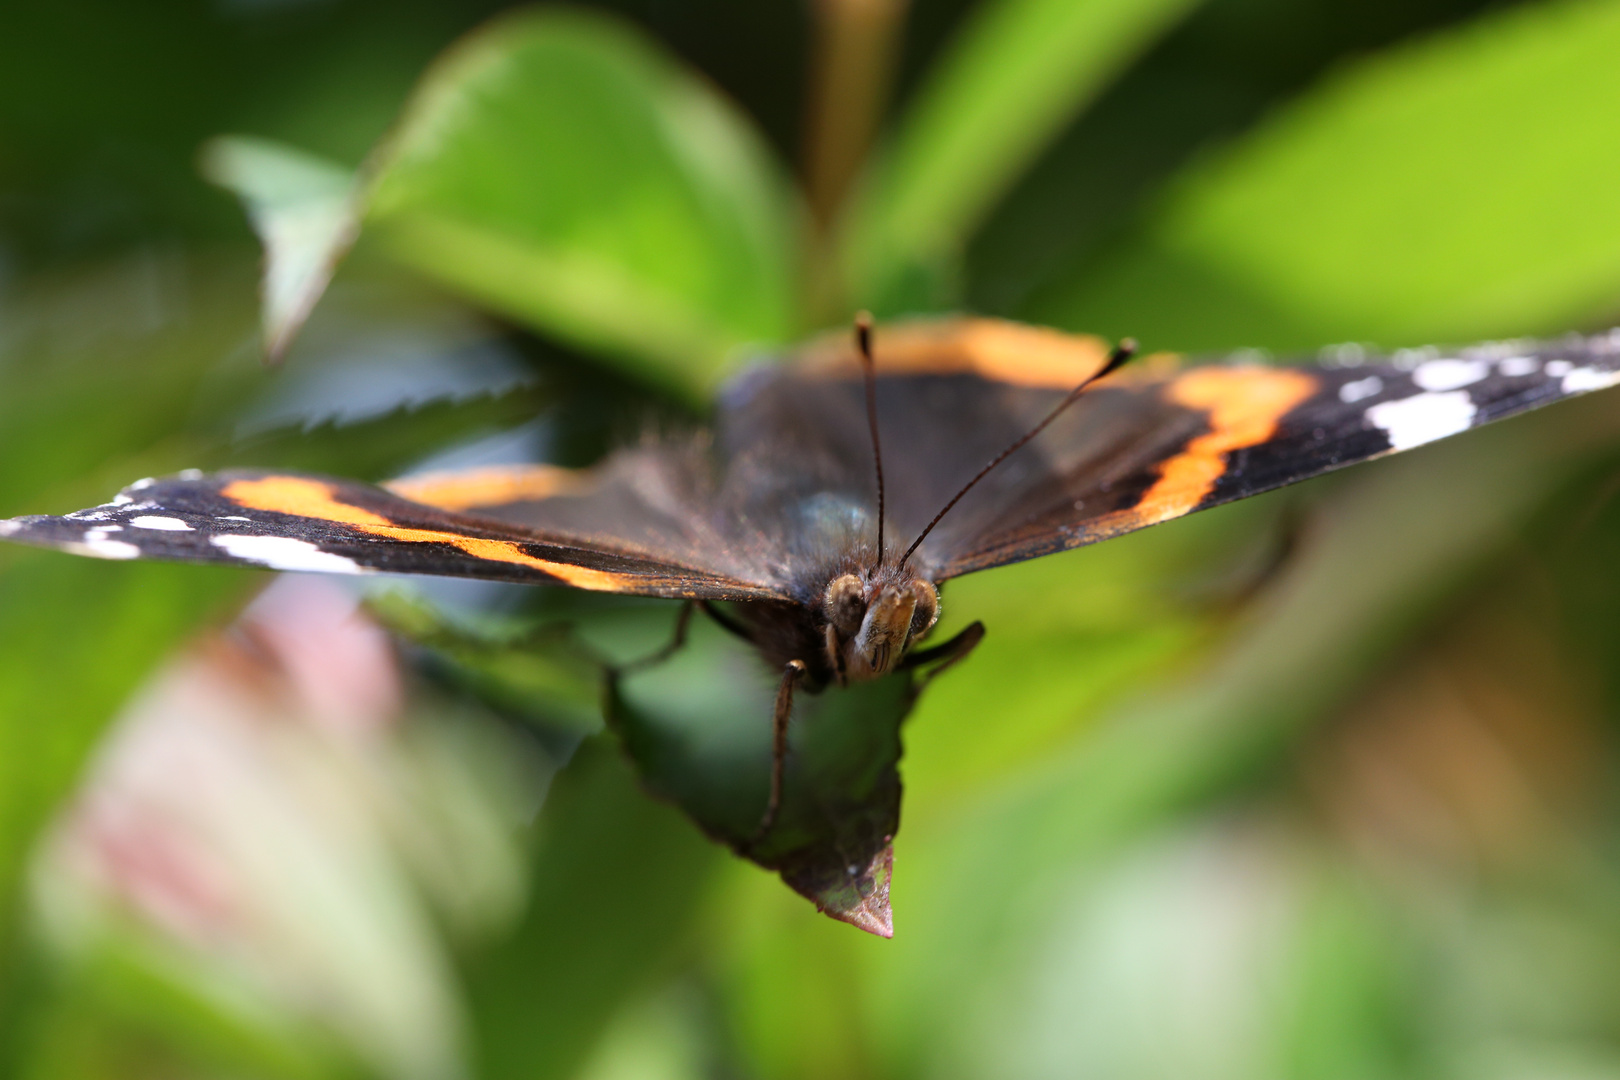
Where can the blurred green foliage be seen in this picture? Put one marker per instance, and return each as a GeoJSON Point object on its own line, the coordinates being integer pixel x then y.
{"type": "Point", "coordinates": [1315, 785]}
{"type": "Point", "coordinates": [560, 169]}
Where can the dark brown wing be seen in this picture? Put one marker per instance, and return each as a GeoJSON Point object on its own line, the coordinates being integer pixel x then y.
{"type": "Point", "coordinates": [1138, 449]}
{"type": "Point", "coordinates": [294, 522]}
{"type": "Point", "coordinates": [785, 494]}
{"type": "Point", "coordinates": [1259, 428]}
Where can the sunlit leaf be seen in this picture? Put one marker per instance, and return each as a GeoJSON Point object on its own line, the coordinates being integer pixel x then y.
{"type": "Point", "coordinates": [303, 209]}
{"type": "Point", "coordinates": [561, 169]}
{"type": "Point", "coordinates": [1455, 189]}
{"type": "Point", "coordinates": [1017, 73]}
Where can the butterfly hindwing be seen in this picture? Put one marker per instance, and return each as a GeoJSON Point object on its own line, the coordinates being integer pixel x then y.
{"type": "Point", "coordinates": [297, 522]}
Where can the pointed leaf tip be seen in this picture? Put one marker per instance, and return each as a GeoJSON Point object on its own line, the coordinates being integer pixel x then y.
{"type": "Point", "coordinates": [306, 213]}
{"type": "Point", "coordinates": [841, 789]}
{"type": "Point", "coordinates": [873, 916]}
{"type": "Point", "coordinates": [859, 897]}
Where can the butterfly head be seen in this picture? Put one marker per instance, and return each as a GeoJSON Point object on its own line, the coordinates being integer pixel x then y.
{"type": "Point", "coordinates": [873, 619]}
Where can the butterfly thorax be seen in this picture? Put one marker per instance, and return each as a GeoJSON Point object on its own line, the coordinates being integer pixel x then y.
{"type": "Point", "coordinates": [859, 630]}
{"type": "Point", "coordinates": [872, 619]}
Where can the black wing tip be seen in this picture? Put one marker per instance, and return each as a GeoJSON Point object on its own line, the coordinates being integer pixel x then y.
{"type": "Point", "coordinates": [88, 538]}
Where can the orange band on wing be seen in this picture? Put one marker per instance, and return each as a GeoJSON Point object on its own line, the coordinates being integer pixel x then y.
{"type": "Point", "coordinates": [303, 497]}
{"type": "Point", "coordinates": [1244, 407]}
{"type": "Point", "coordinates": [1004, 351]}
{"type": "Point", "coordinates": [995, 349]}
{"type": "Point", "coordinates": [470, 489]}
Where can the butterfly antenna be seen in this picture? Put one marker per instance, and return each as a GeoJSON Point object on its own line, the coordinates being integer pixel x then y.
{"type": "Point", "coordinates": [1120, 354]}
{"type": "Point", "coordinates": [863, 342]}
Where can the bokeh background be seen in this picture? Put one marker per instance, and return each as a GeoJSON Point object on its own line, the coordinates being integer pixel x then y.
{"type": "Point", "coordinates": [1317, 785]}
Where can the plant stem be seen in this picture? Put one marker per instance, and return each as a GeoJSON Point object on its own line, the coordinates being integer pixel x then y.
{"type": "Point", "coordinates": [851, 72]}
{"type": "Point", "coordinates": [852, 68]}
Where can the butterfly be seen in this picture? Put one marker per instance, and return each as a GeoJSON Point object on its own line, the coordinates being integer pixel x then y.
{"type": "Point", "coordinates": [837, 493]}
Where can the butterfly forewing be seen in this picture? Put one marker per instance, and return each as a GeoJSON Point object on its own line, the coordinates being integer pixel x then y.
{"type": "Point", "coordinates": [783, 497]}
{"type": "Point", "coordinates": [1248, 429]}
{"type": "Point", "coordinates": [296, 522]}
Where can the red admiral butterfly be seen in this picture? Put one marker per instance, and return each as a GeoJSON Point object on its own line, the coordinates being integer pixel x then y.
{"type": "Point", "coordinates": [1005, 442]}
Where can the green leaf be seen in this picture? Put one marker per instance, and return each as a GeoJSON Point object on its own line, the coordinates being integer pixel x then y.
{"type": "Point", "coordinates": [77, 637]}
{"type": "Point", "coordinates": [1018, 73]}
{"type": "Point", "coordinates": [97, 372]}
{"type": "Point", "coordinates": [617, 879]}
{"type": "Point", "coordinates": [537, 673]}
{"type": "Point", "coordinates": [303, 209]}
{"type": "Point", "coordinates": [561, 169]}
{"type": "Point", "coordinates": [698, 727]}
{"type": "Point", "coordinates": [108, 362]}
{"type": "Point", "coordinates": [1069, 633]}
{"type": "Point", "coordinates": [992, 878]}
{"type": "Point", "coordinates": [1455, 189]}
{"type": "Point", "coordinates": [377, 448]}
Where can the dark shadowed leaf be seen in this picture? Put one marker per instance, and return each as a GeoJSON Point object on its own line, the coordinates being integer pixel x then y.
{"type": "Point", "coordinates": [699, 728]}
{"type": "Point", "coordinates": [539, 673]}
{"type": "Point", "coordinates": [378, 448]}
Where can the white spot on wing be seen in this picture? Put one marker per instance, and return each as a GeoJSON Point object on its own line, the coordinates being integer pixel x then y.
{"type": "Point", "coordinates": [9, 527]}
{"type": "Point", "coordinates": [1449, 374]}
{"type": "Point", "coordinates": [1517, 367]}
{"type": "Point", "coordinates": [161, 524]}
{"type": "Point", "coordinates": [1589, 378]}
{"type": "Point", "coordinates": [1352, 392]}
{"type": "Point", "coordinates": [143, 482]}
{"type": "Point", "coordinates": [285, 553]}
{"type": "Point", "coordinates": [1422, 419]}
{"type": "Point", "coordinates": [121, 499]}
{"type": "Point", "coordinates": [191, 474]}
{"type": "Point", "coordinates": [234, 517]}
{"type": "Point", "coordinates": [1557, 369]}
{"type": "Point", "coordinates": [99, 547]}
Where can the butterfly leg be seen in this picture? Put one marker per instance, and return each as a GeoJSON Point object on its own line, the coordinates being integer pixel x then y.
{"type": "Point", "coordinates": [683, 623]}
{"type": "Point", "coordinates": [791, 674]}
{"type": "Point", "coordinates": [947, 653]}
{"type": "Point", "coordinates": [725, 621]}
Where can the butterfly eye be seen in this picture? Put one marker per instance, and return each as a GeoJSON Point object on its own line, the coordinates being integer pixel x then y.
{"type": "Point", "coordinates": [926, 613]}
{"type": "Point", "coordinates": [845, 604]}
